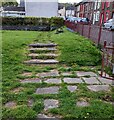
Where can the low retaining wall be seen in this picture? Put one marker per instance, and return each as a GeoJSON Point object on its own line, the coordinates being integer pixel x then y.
{"type": "Point", "coordinates": [29, 28]}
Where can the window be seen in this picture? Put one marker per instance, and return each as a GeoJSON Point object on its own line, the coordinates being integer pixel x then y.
{"type": "Point", "coordinates": [107, 15]}
{"type": "Point", "coordinates": [97, 16]}
{"type": "Point", "coordinates": [98, 5]}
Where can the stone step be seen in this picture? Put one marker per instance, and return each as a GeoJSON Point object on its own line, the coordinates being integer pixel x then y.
{"type": "Point", "coordinates": [39, 61]}
{"type": "Point", "coordinates": [48, 55]}
{"type": "Point", "coordinates": [43, 45]}
{"type": "Point", "coordinates": [42, 49]}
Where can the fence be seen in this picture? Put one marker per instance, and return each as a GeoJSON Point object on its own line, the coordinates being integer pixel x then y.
{"type": "Point", "coordinates": [95, 33]}
{"type": "Point", "coordinates": [98, 35]}
{"type": "Point", "coordinates": [107, 58]}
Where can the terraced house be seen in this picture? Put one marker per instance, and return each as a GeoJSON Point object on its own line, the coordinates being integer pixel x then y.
{"type": "Point", "coordinates": [98, 12]}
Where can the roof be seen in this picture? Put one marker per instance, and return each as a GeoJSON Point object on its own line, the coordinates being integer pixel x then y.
{"type": "Point", "coordinates": [13, 8]}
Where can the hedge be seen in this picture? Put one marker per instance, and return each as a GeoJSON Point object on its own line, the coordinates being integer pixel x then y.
{"type": "Point", "coordinates": [32, 21]}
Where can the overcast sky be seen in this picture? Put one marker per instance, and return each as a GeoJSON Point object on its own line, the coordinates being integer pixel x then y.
{"type": "Point", "coordinates": [65, 1]}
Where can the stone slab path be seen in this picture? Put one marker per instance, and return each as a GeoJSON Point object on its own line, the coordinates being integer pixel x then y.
{"type": "Point", "coordinates": [50, 103]}
{"type": "Point", "coordinates": [48, 90]}
{"type": "Point", "coordinates": [97, 88]}
{"type": "Point", "coordinates": [42, 53]}
{"type": "Point", "coordinates": [55, 78]}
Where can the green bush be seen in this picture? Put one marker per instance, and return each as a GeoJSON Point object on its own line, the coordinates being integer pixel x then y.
{"type": "Point", "coordinates": [32, 21]}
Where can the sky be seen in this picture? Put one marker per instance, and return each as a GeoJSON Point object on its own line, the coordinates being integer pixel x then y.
{"type": "Point", "coordinates": [65, 1]}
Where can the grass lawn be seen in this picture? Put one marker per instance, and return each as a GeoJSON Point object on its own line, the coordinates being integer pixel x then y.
{"type": "Point", "coordinates": [76, 52]}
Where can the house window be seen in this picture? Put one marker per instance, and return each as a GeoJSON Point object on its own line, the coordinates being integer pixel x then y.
{"type": "Point", "coordinates": [97, 16]}
{"type": "Point", "coordinates": [98, 5]}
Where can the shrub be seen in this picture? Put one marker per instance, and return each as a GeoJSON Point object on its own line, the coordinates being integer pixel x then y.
{"type": "Point", "coordinates": [32, 21]}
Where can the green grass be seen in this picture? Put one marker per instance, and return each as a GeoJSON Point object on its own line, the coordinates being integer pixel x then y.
{"type": "Point", "coordinates": [76, 52]}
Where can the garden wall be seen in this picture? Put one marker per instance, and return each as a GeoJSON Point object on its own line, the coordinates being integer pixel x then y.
{"type": "Point", "coordinates": [31, 23]}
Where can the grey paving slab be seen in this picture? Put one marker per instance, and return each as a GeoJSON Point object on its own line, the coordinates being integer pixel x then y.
{"type": "Point", "coordinates": [42, 49]}
{"type": "Point", "coordinates": [17, 90]}
{"type": "Point", "coordinates": [82, 104]}
{"type": "Point", "coordinates": [91, 80]}
{"type": "Point", "coordinates": [40, 61]}
{"type": "Point", "coordinates": [66, 74]}
{"type": "Point", "coordinates": [48, 90]}
{"type": "Point", "coordinates": [31, 80]}
{"type": "Point", "coordinates": [82, 73]}
{"type": "Point", "coordinates": [72, 80]}
{"type": "Point", "coordinates": [52, 73]}
{"type": "Point", "coordinates": [106, 81]}
{"type": "Point", "coordinates": [97, 88]}
{"type": "Point", "coordinates": [42, 45]}
{"type": "Point", "coordinates": [72, 88]}
{"type": "Point", "coordinates": [30, 102]}
{"type": "Point", "coordinates": [53, 81]}
{"type": "Point", "coordinates": [35, 55]}
{"type": "Point", "coordinates": [43, 116]}
{"type": "Point", "coordinates": [10, 104]}
{"type": "Point", "coordinates": [50, 103]}
{"type": "Point", "coordinates": [26, 74]}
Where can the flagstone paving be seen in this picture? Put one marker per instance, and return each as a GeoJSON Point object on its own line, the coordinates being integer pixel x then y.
{"type": "Point", "coordinates": [52, 73]}
{"type": "Point", "coordinates": [32, 80]}
{"type": "Point", "coordinates": [43, 45]}
{"type": "Point", "coordinates": [26, 74]}
{"type": "Point", "coordinates": [97, 88]}
{"type": "Point", "coordinates": [45, 117]}
{"type": "Point", "coordinates": [50, 103]}
{"type": "Point", "coordinates": [82, 104]}
{"type": "Point", "coordinates": [10, 104]}
{"type": "Point", "coordinates": [72, 88]}
{"type": "Point", "coordinates": [30, 102]}
{"type": "Point", "coordinates": [40, 61]}
{"type": "Point", "coordinates": [42, 49]}
{"type": "Point", "coordinates": [106, 81]}
{"type": "Point", "coordinates": [39, 49]}
{"type": "Point", "coordinates": [48, 90]}
{"type": "Point", "coordinates": [72, 80]}
{"type": "Point", "coordinates": [53, 81]}
{"type": "Point", "coordinates": [82, 74]}
{"type": "Point", "coordinates": [67, 74]}
{"type": "Point", "coordinates": [91, 80]}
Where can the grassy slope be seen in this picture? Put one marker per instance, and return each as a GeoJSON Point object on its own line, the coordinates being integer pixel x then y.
{"type": "Point", "coordinates": [74, 50]}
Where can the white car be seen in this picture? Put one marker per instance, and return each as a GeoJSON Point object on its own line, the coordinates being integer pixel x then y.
{"type": "Point", "coordinates": [109, 24]}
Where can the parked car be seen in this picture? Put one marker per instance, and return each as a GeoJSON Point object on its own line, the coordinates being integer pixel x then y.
{"type": "Point", "coordinates": [109, 24]}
